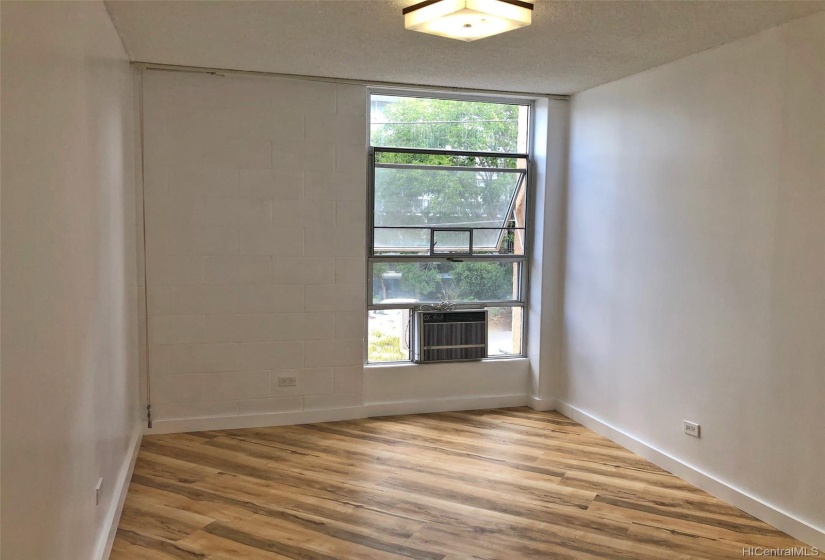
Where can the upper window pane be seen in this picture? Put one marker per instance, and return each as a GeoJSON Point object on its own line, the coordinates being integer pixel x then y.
{"type": "Point", "coordinates": [411, 201]}
{"type": "Point", "coordinates": [448, 124]}
{"type": "Point", "coordinates": [444, 197]}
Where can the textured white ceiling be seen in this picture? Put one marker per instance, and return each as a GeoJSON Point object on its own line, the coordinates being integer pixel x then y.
{"type": "Point", "coordinates": [571, 46]}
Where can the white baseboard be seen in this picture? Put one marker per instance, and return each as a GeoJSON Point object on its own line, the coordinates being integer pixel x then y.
{"type": "Point", "coordinates": [124, 477]}
{"type": "Point", "coordinates": [423, 406]}
{"type": "Point", "coordinates": [542, 405]}
{"type": "Point", "coordinates": [254, 421]}
{"type": "Point", "coordinates": [768, 513]}
{"type": "Point", "coordinates": [419, 406]}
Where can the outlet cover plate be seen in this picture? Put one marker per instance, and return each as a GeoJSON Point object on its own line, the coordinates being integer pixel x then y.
{"type": "Point", "coordinates": [691, 428]}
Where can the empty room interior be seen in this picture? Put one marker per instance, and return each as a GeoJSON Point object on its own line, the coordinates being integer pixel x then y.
{"type": "Point", "coordinates": [435, 280]}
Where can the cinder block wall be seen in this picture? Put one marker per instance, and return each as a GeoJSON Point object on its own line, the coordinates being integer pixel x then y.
{"type": "Point", "coordinates": [255, 233]}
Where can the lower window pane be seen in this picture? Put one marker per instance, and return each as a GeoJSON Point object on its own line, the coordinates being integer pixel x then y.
{"type": "Point", "coordinates": [432, 282]}
{"type": "Point", "coordinates": [388, 336]}
{"type": "Point", "coordinates": [505, 327]}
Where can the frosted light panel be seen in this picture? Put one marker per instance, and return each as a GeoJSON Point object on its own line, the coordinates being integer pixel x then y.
{"type": "Point", "coordinates": [467, 20]}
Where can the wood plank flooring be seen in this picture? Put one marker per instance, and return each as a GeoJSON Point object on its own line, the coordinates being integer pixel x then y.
{"type": "Point", "coordinates": [506, 483]}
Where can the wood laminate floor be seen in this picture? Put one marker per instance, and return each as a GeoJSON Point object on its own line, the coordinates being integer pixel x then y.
{"type": "Point", "coordinates": [506, 483]}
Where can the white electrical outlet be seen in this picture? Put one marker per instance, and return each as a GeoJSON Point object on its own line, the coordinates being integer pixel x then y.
{"type": "Point", "coordinates": [97, 491]}
{"type": "Point", "coordinates": [287, 381]}
{"type": "Point", "coordinates": [691, 428]}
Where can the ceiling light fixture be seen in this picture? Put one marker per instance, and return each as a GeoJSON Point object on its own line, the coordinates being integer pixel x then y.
{"type": "Point", "coordinates": [467, 20]}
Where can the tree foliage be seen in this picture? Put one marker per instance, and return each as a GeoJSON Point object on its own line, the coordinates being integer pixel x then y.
{"type": "Point", "coordinates": [488, 278]}
{"type": "Point", "coordinates": [412, 197]}
{"type": "Point", "coordinates": [421, 279]}
{"type": "Point", "coordinates": [449, 124]}
{"type": "Point", "coordinates": [444, 281]}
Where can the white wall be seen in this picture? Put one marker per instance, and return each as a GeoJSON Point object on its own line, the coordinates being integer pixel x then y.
{"type": "Point", "coordinates": [545, 312]}
{"type": "Point", "coordinates": [415, 388]}
{"type": "Point", "coordinates": [69, 385]}
{"type": "Point", "coordinates": [255, 220]}
{"type": "Point", "coordinates": [695, 284]}
{"type": "Point", "coordinates": [256, 231]}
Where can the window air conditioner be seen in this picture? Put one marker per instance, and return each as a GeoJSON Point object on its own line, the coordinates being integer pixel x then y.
{"type": "Point", "coordinates": [450, 336]}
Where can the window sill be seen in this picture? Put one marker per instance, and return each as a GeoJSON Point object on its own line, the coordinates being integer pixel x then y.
{"type": "Point", "coordinates": [379, 365]}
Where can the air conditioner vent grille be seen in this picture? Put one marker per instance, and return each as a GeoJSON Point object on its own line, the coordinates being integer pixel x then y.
{"type": "Point", "coordinates": [450, 336]}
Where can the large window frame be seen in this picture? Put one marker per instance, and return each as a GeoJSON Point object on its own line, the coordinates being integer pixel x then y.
{"type": "Point", "coordinates": [521, 285]}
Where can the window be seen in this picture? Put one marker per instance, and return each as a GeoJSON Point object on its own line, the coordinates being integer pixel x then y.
{"type": "Point", "coordinates": [448, 216]}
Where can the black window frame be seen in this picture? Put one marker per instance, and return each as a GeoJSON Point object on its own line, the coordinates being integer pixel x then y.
{"type": "Point", "coordinates": [521, 301]}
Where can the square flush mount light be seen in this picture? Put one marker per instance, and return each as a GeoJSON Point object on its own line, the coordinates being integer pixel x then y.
{"type": "Point", "coordinates": [467, 20]}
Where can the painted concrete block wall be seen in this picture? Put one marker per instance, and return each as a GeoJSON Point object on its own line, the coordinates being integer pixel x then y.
{"type": "Point", "coordinates": [256, 220]}
{"type": "Point", "coordinates": [255, 197]}
{"type": "Point", "coordinates": [69, 320]}
{"type": "Point", "coordinates": [695, 284]}
{"type": "Point", "coordinates": [504, 381]}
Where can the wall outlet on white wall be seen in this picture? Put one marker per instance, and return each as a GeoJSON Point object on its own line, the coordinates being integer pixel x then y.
{"type": "Point", "coordinates": [691, 428]}
{"type": "Point", "coordinates": [287, 381]}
